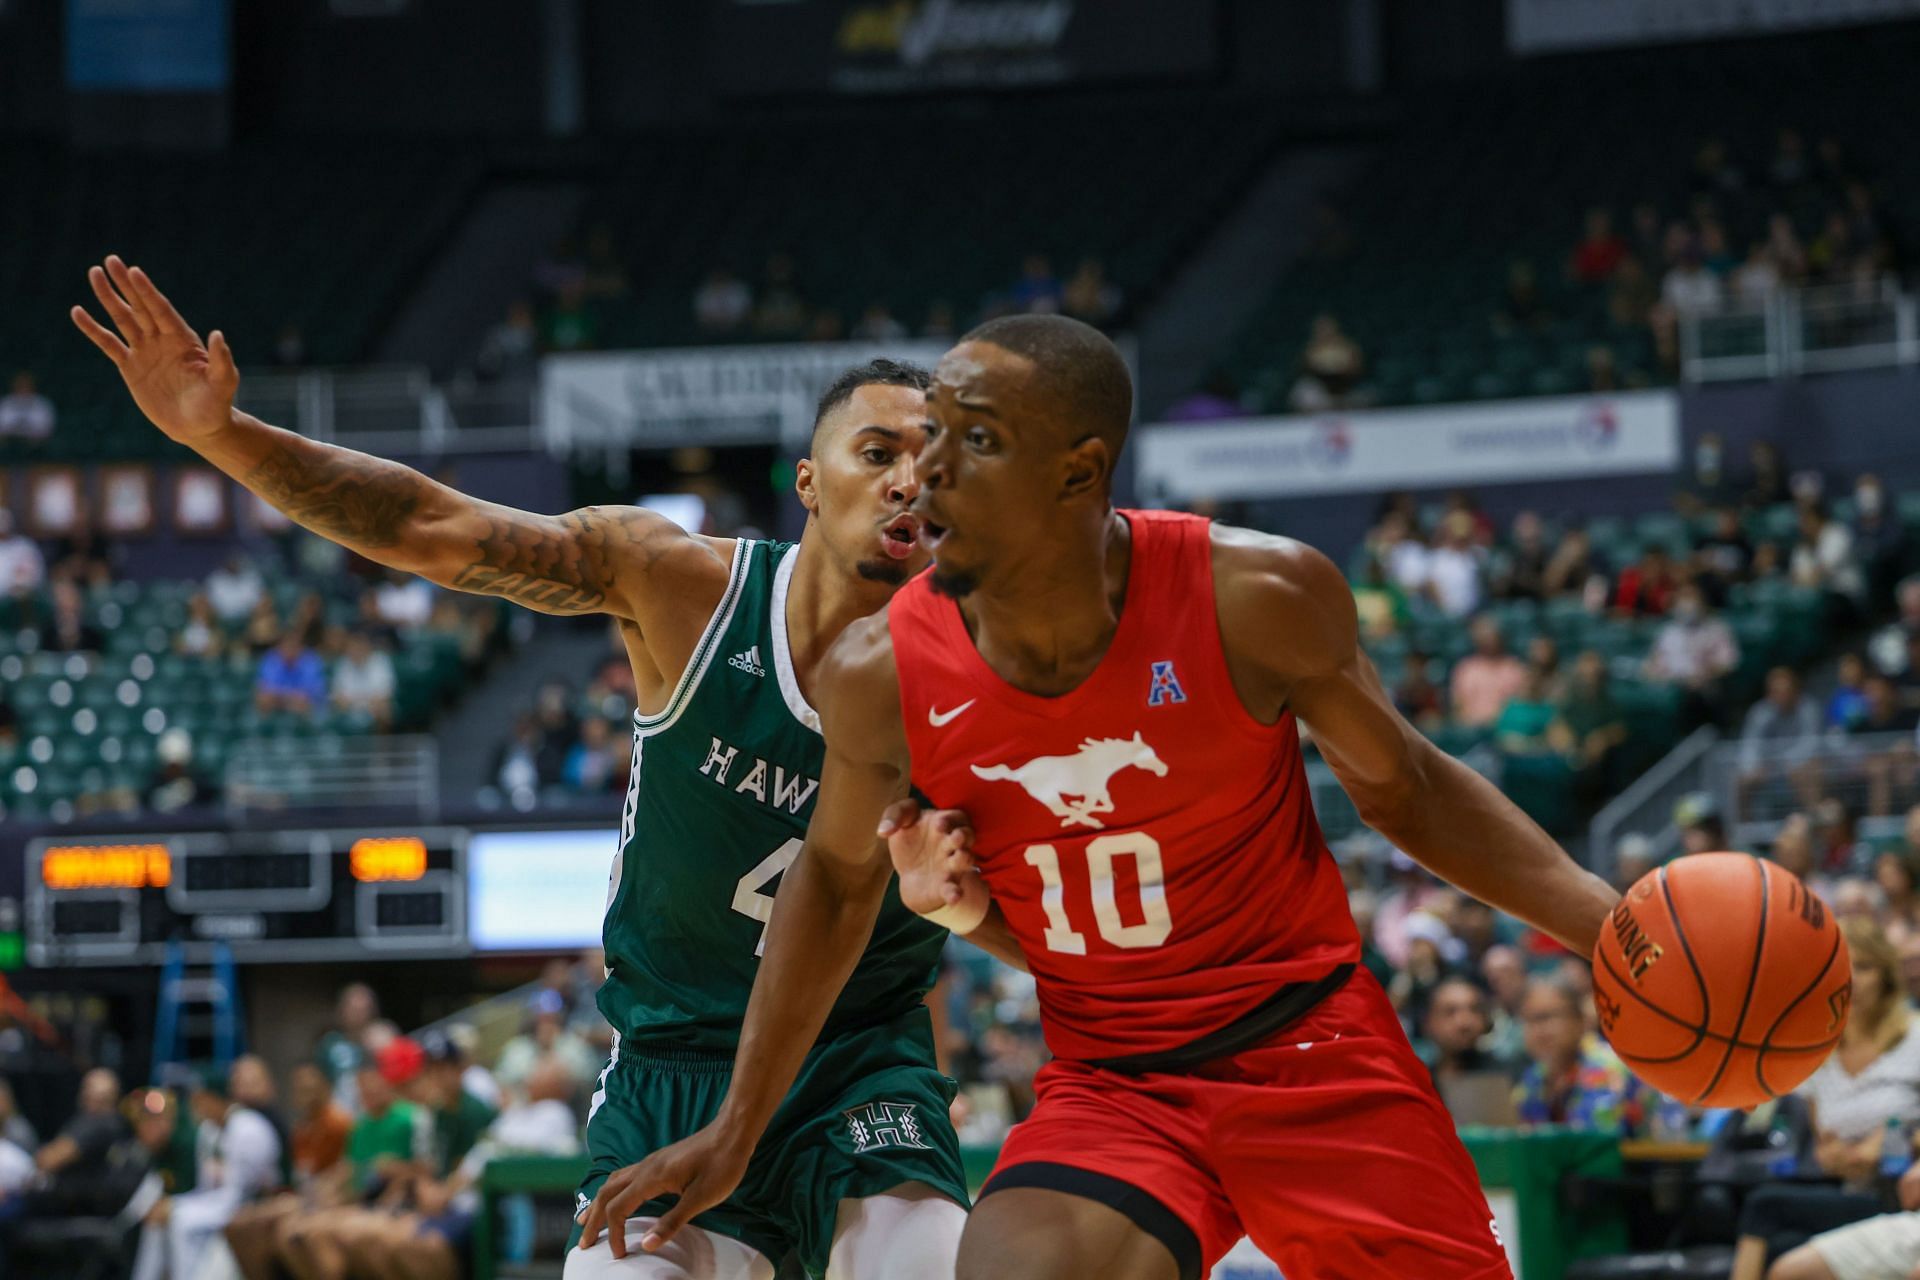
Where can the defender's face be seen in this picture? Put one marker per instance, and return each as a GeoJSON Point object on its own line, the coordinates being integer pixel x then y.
{"type": "Point", "coordinates": [863, 476]}
{"type": "Point", "coordinates": [988, 474]}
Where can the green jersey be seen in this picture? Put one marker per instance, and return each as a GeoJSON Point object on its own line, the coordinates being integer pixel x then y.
{"type": "Point", "coordinates": [724, 780]}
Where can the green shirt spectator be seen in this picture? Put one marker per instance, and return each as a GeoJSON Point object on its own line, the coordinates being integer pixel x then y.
{"type": "Point", "coordinates": [388, 1132]}
{"type": "Point", "coordinates": [1521, 728]}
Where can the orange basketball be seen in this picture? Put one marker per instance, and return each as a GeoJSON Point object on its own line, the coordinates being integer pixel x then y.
{"type": "Point", "coordinates": [1721, 981]}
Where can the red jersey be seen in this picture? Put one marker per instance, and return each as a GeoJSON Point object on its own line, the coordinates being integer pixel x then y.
{"type": "Point", "coordinates": [1153, 845]}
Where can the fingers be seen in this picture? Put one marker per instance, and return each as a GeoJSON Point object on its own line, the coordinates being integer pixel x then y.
{"type": "Point", "coordinates": [114, 349]}
{"type": "Point", "coordinates": [220, 359]}
{"type": "Point", "coordinates": [667, 1225]}
{"type": "Point", "coordinates": [159, 310]}
{"type": "Point", "coordinates": [136, 308]}
{"type": "Point", "coordinates": [900, 815]}
{"type": "Point", "coordinates": [117, 309]}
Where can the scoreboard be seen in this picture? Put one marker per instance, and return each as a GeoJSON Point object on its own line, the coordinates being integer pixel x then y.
{"type": "Point", "coordinates": [272, 895]}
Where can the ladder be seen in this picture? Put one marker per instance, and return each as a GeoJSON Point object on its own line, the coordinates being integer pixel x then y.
{"type": "Point", "coordinates": [198, 1018]}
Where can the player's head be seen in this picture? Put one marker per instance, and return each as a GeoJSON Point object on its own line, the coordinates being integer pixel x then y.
{"type": "Point", "coordinates": [860, 471]}
{"type": "Point", "coordinates": [1029, 414]}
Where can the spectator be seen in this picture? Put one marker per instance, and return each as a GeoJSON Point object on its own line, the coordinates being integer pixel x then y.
{"type": "Point", "coordinates": [403, 601]}
{"type": "Point", "coordinates": [1397, 544]}
{"type": "Point", "coordinates": [1485, 679]}
{"type": "Point", "coordinates": [782, 311]}
{"type": "Point", "coordinates": [340, 1052]}
{"type": "Point", "coordinates": [1872, 1078]}
{"type": "Point", "coordinates": [1695, 651]}
{"type": "Point", "coordinates": [363, 681]}
{"type": "Point", "coordinates": [1417, 697]}
{"type": "Point", "coordinates": [68, 631]}
{"type": "Point", "coordinates": [1879, 536]}
{"type": "Point", "coordinates": [1453, 567]}
{"type": "Point", "coordinates": [240, 1162]}
{"type": "Point", "coordinates": [1331, 367]}
{"type": "Point", "coordinates": [22, 567]}
{"type": "Point", "coordinates": [202, 636]}
{"type": "Point", "coordinates": [1600, 251]}
{"type": "Point", "coordinates": [1767, 485]}
{"type": "Point", "coordinates": [1780, 739]}
{"type": "Point", "coordinates": [876, 324]}
{"type": "Point", "coordinates": [516, 769]}
{"type": "Point", "coordinates": [1217, 400]}
{"type": "Point", "coordinates": [1379, 602]}
{"type": "Point", "coordinates": [1521, 573]}
{"type": "Point", "coordinates": [475, 1078]}
{"type": "Point", "coordinates": [1504, 970]}
{"type": "Point", "coordinates": [1592, 727]}
{"type": "Point", "coordinates": [1521, 306]}
{"type": "Point", "coordinates": [176, 786]}
{"type": "Point", "coordinates": [15, 1127]}
{"type": "Point", "coordinates": [589, 764]}
{"type": "Point", "coordinates": [1428, 944]}
{"type": "Point", "coordinates": [77, 1155]}
{"type": "Point", "coordinates": [1793, 850]}
{"type": "Point", "coordinates": [1456, 1028]}
{"type": "Point", "coordinates": [546, 1035]}
{"type": "Point", "coordinates": [1603, 370]}
{"type": "Point", "coordinates": [1689, 289]}
{"type": "Point", "coordinates": [571, 325]}
{"type": "Point", "coordinates": [1723, 557]}
{"type": "Point", "coordinates": [317, 1147]}
{"type": "Point", "coordinates": [1543, 656]}
{"type": "Point", "coordinates": [1570, 1080]}
{"type": "Point", "coordinates": [1038, 289]}
{"type": "Point", "coordinates": [1707, 483]}
{"type": "Point", "coordinates": [1888, 646]}
{"type": "Point", "coordinates": [1895, 875]}
{"type": "Point", "coordinates": [723, 303]}
{"type": "Point", "coordinates": [1571, 564]}
{"type": "Point", "coordinates": [1823, 559]}
{"type": "Point", "coordinates": [1884, 751]}
{"type": "Point", "coordinates": [1090, 296]}
{"type": "Point", "coordinates": [510, 350]}
{"type": "Point", "coordinates": [291, 678]}
{"type": "Point", "coordinates": [1646, 587]}
{"type": "Point", "coordinates": [234, 589]}
{"type": "Point", "coordinates": [1848, 701]}
{"type": "Point", "coordinates": [1632, 295]}
{"type": "Point", "coordinates": [1757, 280]}
{"type": "Point", "coordinates": [24, 412]}
{"type": "Point", "coordinates": [1524, 724]}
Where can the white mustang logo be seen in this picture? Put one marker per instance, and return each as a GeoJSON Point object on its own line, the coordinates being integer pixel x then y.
{"type": "Point", "coordinates": [1074, 788]}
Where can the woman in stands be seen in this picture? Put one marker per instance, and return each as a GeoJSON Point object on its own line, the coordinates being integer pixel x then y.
{"type": "Point", "coordinates": [1871, 1080]}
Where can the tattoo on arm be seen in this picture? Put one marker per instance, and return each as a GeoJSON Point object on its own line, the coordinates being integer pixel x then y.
{"type": "Point", "coordinates": [560, 565]}
{"type": "Point", "coordinates": [342, 495]}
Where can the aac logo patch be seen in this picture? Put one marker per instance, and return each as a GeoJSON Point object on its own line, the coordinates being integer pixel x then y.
{"type": "Point", "coordinates": [1165, 686]}
{"type": "Point", "coordinates": [878, 1125]}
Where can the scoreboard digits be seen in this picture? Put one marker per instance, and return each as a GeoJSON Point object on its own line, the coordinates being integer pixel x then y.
{"type": "Point", "coordinates": [271, 895]}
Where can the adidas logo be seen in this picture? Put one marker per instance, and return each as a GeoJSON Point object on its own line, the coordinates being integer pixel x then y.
{"type": "Point", "coordinates": [748, 662]}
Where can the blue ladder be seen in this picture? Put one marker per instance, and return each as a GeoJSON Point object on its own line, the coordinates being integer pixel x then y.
{"type": "Point", "coordinates": [216, 991]}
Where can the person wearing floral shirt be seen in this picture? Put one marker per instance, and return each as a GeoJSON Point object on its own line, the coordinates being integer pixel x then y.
{"type": "Point", "coordinates": [1571, 1079]}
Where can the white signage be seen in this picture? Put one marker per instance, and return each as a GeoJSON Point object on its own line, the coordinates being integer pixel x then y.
{"type": "Point", "coordinates": [538, 890]}
{"type": "Point", "coordinates": [1504, 442]}
{"type": "Point", "coordinates": [700, 395]}
{"type": "Point", "coordinates": [1551, 26]}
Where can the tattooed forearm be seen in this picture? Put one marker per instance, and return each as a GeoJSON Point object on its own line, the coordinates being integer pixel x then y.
{"type": "Point", "coordinates": [563, 565]}
{"type": "Point", "coordinates": [339, 494]}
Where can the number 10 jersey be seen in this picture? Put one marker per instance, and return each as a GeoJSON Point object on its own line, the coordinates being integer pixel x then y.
{"type": "Point", "coordinates": [1153, 846]}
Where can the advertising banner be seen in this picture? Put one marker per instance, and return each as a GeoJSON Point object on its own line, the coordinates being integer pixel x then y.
{"type": "Point", "coordinates": [1554, 26]}
{"type": "Point", "coordinates": [921, 46]}
{"type": "Point", "coordinates": [1504, 442]}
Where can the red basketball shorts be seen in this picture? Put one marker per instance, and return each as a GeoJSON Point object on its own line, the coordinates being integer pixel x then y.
{"type": "Point", "coordinates": [1327, 1145]}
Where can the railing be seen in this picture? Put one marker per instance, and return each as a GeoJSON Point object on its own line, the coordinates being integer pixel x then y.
{"type": "Point", "coordinates": [1827, 329]}
{"type": "Point", "coordinates": [1758, 786]}
{"type": "Point", "coordinates": [351, 772]}
{"type": "Point", "coordinates": [1646, 806]}
{"type": "Point", "coordinates": [393, 409]}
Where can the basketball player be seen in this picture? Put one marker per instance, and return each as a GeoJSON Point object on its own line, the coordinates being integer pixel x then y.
{"type": "Point", "coordinates": [1111, 696]}
{"type": "Point", "coordinates": [724, 635]}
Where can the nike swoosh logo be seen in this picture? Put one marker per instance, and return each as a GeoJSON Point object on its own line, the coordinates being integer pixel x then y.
{"type": "Point", "coordinates": [941, 719]}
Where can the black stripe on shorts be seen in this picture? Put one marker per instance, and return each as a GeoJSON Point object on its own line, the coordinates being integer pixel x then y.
{"type": "Point", "coordinates": [1145, 1212]}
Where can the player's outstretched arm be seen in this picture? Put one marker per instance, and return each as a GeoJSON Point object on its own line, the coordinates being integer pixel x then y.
{"type": "Point", "coordinates": [822, 918]}
{"type": "Point", "coordinates": [1291, 633]}
{"type": "Point", "coordinates": [590, 561]}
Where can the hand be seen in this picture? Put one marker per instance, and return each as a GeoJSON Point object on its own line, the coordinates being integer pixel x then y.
{"type": "Point", "coordinates": [931, 852]}
{"type": "Point", "coordinates": [161, 1211]}
{"type": "Point", "coordinates": [702, 1170]}
{"type": "Point", "coordinates": [1910, 1188]}
{"type": "Point", "coordinates": [185, 389]}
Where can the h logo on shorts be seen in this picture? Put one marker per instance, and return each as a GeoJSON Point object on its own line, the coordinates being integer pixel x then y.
{"type": "Point", "coordinates": [885, 1124]}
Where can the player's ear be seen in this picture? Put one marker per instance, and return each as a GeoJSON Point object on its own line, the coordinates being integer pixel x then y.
{"type": "Point", "coordinates": [1088, 468]}
{"type": "Point", "coordinates": [804, 482]}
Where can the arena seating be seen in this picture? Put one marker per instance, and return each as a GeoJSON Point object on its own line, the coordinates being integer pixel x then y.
{"type": "Point", "coordinates": [215, 231]}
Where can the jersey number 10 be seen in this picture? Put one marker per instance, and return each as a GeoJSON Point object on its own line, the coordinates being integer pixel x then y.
{"type": "Point", "coordinates": [1155, 923]}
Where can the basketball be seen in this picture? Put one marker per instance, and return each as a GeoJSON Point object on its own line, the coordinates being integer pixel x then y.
{"type": "Point", "coordinates": [1721, 981]}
